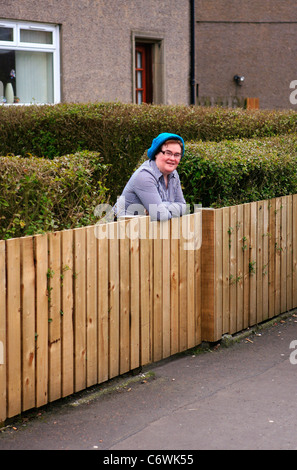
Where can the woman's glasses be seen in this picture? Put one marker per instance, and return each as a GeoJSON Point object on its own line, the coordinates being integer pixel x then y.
{"type": "Point", "coordinates": [170, 154]}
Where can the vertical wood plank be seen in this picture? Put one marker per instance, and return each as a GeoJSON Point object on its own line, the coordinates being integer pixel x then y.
{"type": "Point", "coordinates": [183, 301]}
{"type": "Point", "coordinates": [157, 291]}
{"type": "Point", "coordinates": [55, 363]}
{"type": "Point", "coordinates": [289, 252]}
{"type": "Point", "coordinates": [103, 302]}
{"type": "Point", "coordinates": [278, 248]}
{"type": "Point", "coordinates": [134, 235]}
{"type": "Point", "coordinates": [13, 327]}
{"type": "Point", "coordinates": [42, 325]}
{"type": "Point", "coordinates": [208, 332]}
{"type": "Point", "coordinates": [145, 290]}
{"type": "Point", "coordinates": [91, 306]}
{"type": "Point", "coordinates": [233, 269]}
{"type": "Point", "coordinates": [283, 254]}
{"type": "Point", "coordinates": [253, 265]}
{"type": "Point", "coordinates": [67, 313]}
{"type": "Point", "coordinates": [191, 282]}
{"type": "Point", "coordinates": [246, 265]}
{"type": "Point", "coordinates": [218, 272]}
{"type": "Point", "coordinates": [124, 254]}
{"type": "Point", "coordinates": [265, 270]}
{"type": "Point", "coordinates": [259, 264]}
{"type": "Point", "coordinates": [198, 249]}
{"type": "Point", "coordinates": [3, 396]}
{"type": "Point", "coordinates": [239, 268]}
{"type": "Point", "coordinates": [294, 232]}
{"type": "Point", "coordinates": [174, 284]}
{"type": "Point", "coordinates": [114, 302]}
{"type": "Point", "coordinates": [28, 323]}
{"type": "Point", "coordinates": [80, 309]}
{"type": "Point", "coordinates": [271, 261]}
{"type": "Point", "coordinates": [166, 301]}
{"type": "Point", "coordinates": [226, 273]}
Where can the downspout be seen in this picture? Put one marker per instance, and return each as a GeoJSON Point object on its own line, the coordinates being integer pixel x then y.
{"type": "Point", "coordinates": [192, 53]}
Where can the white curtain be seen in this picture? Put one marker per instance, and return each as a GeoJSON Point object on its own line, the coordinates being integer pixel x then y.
{"type": "Point", "coordinates": [34, 76]}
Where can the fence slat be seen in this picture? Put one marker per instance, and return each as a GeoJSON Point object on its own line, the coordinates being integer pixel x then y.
{"type": "Point", "coordinates": [13, 327]}
{"type": "Point", "coordinates": [191, 281]}
{"type": "Point", "coordinates": [239, 270]}
{"type": "Point", "coordinates": [157, 291]}
{"type": "Point", "coordinates": [3, 397]}
{"type": "Point", "coordinates": [28, 323]}
{"type": "Point", "coordinates": [103, 304]}
{"type": "Point", "coordinates": [233, 270]}
{"type": "Point", "coordinates": [114, 302]}
{"type": "Point", "coordinates": [55, 364]}
{"type": "Point", "coordinates": [198, 250]}
{"type": "Point", "coordinates": [145, 290]}
{"type": "Point", "coordinates": [253, 265]}
{"type": "Point", "coordinates": [80, 309]}
{"type": "Point", "coordinates": [271, 261]}
{"type": "Point", "coordinates": [265, 271]}
{"type": "Point", "coordinates": [246, 265]}
{"type": "Point", "coordinates": [174, 285]}
{"type": "Point", "coordinates": [41, 260]}
{"type": "Point", "coordinates": [208, 332]}
{"type": "Point", "coordinates": [67, 313]}
{"type": "Point", "coordinates": [259, 262]}
{"type": "Point", "coordinates": [91, 306]}
{"type": "Point", "coordinates": [289, 253]}
{"type": "Point", "coordinates": [166, 326]}
{"type": "Point", "coordinates": [294, 247]}
{"type": "Point", "coordinates": [283, 254]}
{"type": "Point", "coordinates": [134, 234]}
{"type": "Point", "coordinates": [219, 271]}
{"type": "Point", "coordinates": [226, 269]}
{"type": "Point", "coordinates": [124, 290]}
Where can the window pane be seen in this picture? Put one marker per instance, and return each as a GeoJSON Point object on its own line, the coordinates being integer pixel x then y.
{"type": "Point", "coordinates": [34, 77]}
{"type": "Point", "coordinates": [139, 60]}
{"type": "Point", "coordinates": [139, 80]}
{"type": "Point", "coordinates": [139, 97]}
{"type": "Point", "coordinates": [36, 37]}
{"type": "Point", "coordinates": [7, 76]}
{"type": "Point", "coordinates": [6, 34]}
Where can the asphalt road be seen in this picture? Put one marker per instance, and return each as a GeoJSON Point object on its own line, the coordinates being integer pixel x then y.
{"type": "Point", "coordinates": [238, 397]}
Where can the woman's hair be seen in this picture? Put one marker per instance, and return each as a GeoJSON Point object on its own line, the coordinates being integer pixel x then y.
{"type": "Point", "coordinates": [173, 141]}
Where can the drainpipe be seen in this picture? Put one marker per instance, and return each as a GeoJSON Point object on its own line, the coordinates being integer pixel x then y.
{"type": "Point", "coordinates": [192, 67]}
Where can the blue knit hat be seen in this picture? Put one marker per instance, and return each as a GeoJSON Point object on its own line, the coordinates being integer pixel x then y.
{"type": "Point", "coordinates": [160, 140]}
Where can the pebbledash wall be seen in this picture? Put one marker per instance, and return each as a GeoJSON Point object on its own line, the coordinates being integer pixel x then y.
{"type": "Point", "coordinates": [253, 39]}
{"type": "Point", "coordinates": [97, 40]}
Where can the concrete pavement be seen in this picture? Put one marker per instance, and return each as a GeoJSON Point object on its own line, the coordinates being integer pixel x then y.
{"type": "Point", "coordinates": [238, 397]}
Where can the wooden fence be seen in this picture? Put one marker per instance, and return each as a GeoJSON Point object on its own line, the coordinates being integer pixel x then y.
{"type": "Point", "coordinates": [249, 260]}
{"type": "Point", "coordinates": [82, 306]}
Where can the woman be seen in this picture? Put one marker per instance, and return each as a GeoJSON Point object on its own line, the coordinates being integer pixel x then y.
{"type": "Point", "coordinates": [155, 187]}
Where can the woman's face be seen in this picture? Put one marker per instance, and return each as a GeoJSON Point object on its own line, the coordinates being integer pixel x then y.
{"type": "Point", "coordinates": [168, 158]}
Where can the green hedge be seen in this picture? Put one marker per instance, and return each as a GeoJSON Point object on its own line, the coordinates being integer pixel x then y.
{"type": "Point", "coordinates": [123, 132]}
{"type": "Point", "coordinates": [39, 195]}
{"type": "Point", "coordinates": [225, 173]}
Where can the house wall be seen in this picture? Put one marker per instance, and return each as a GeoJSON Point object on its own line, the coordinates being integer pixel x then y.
{"type": "Point", "coordinates": [254, 39]}
{"type": "Point", "coordinates": [96, 44]}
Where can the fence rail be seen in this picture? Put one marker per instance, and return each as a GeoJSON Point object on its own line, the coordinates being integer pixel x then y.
{"type": "Point", "coordinates": [79, 307]}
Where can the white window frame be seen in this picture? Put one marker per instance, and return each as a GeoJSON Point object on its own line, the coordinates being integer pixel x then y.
{"type": "Point", "coordinates": [18, 45]}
